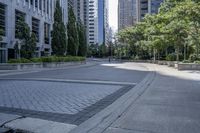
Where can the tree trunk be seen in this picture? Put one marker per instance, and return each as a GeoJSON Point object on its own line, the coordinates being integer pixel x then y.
{"type": "Point", "coordinates": [197, 47]}
{"type": "Point", "coordinates": [154, 55]}
{"type": "Point", "coordinates": [166, 52]}
{"type": "Point", "coordinates": [184, 51]}
{"type": "Point", "coordinates": [177, 54]}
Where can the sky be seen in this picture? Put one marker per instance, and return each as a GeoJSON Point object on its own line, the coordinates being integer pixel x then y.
{"type": "Point", "coordinates": [113, 14]}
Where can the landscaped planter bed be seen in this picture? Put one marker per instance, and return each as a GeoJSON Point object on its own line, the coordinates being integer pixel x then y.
{"type": "Point", "coordinates": [27, 66]}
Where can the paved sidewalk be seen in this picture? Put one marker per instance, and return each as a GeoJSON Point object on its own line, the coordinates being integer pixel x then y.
{"type": "Point", "coordinates": [171, 104]}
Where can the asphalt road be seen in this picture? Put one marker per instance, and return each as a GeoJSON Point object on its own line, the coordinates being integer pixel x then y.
{"type": "Point", "coordinates": [102, 71]}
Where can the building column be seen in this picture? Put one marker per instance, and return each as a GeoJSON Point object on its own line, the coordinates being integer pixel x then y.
{"type": "Point", "coordinates": [149, 6]}
{"type": "Point", "coordinates": [52, 9]}
{"type": "Point", "coordinates": [42, 6]}
{"type": "Point", "coordinates": [49, 3]}
{"type": "Point", "coordinates": [38, 6]}
{"type": "Point", "coordinates": [24, 2]}
{"type": "Point", "coordinates": [46, 5]}
{"type": "Point", "coordinates": [29, 4]}
{"type": "Point", "coordinates": [34, 5]}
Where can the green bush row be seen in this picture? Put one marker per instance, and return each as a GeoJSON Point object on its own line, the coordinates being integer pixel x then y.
{"type": "Point", "coordinates": [48, 59]}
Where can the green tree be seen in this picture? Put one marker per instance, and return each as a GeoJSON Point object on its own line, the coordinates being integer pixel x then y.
{"type": "Point", "coordinates": [82, 40]}
{"type": "Point", "coordinates": [73, 38]}
{"type": "Point", "coordinates": [59, 37]}
{"type": "Point", "coordinates": [27, 39]}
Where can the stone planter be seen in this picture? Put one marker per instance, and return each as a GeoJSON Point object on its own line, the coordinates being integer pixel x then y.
{"type": "Point", "coordinates": [61, 64]}
{"type": "Point", "coordinates": [28, 66]}
{"type": "Point", "coordinates": [187, 66]}
{"type": "Point", "coordinates": [162, 63]}
{"type": "Point", "coordinates": [171, 63]}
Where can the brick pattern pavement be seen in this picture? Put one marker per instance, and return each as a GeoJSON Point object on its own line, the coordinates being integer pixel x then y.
{"type": "Point", "coordinates": [57, 101]}
{"type": "Point", "coordinates": [55, 97]}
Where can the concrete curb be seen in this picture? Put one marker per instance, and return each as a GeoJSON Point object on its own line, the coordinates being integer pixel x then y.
{"type": "Point", "coordinates": [33, 125]}
{"type": "Point", "coordinates": [101, 121]}
{"type": "Point", "coordinates": [18, 72]}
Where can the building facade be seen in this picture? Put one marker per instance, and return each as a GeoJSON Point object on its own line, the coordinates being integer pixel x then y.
{"type": "Point", "coordinates": [93, 22]}
{"type": "Point", "coordinates": [147, 6]}
{"type": "Point", "coordinates": [106, 23]}
{"type": "Point", "coordinates": [98, 22]}
{"type": "Point", "coordinates": [127, 11]}
{"type": "Point", "coordinates": [38, 14]}
{"type": "Point", "coordinates": [81, 11]}
{"type": "Point", "coordinates": [154, 6]}
{"type": "Point", "coordinates": [132, 11]}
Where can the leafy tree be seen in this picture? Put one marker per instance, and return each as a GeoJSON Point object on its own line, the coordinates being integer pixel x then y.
{"type": "Point", "coordinates": [175, 29]}
{"type": "Point", "coordinates": [27, 39]}
{"type": "Point", "coordinates": [73, 38]}
{"type": "Point", "coordinates": [103, 51]}
{"type": "Point", "coordinates": [82, 40]}
{"type": "Point", "coordinates": [59, 37]}
{"type": "Point", "coordinates": [93, 50]}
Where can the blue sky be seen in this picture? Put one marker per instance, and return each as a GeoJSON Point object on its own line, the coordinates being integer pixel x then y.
{"type": "Point", "coordinates": [113, 14]}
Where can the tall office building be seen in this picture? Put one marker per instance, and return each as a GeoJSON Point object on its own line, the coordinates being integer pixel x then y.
{"type": "Point", "coordinates": [154, 6]}
{"type": "Point", "coordinates": [103, 26]}
{"type": "Point", "coordinates": [98, 22]}
{"type": "Point", "coordinates": [93, 22]}
{"type": "Point", "coordinates": [38, 14]}
{"type": "Point", "coordinates": [106, 23]}
{"type": "Point", "coordinates": [132, 11]}
{"type": "Point", "coordinates": [127, 13]}
{"type": "Point", "coordinates": [81, 11]}
{"type": "Point", "coordinates": [147, 6]}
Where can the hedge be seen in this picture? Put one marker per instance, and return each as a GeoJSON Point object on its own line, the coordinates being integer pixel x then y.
{"type": "Point", "coordinates": [48, 59]}
{"type": "Point", "coordinates": [22, 60]}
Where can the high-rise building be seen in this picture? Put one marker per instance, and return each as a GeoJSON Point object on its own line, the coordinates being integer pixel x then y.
{"type": "Point", "coordinates": [106, 24]}
{"type": "Point", "coordinates": [93, 22]}
{"type": "Point", "coordinates": [132, 11]}
{"type": "Point", "coordinates": [127, 11]}
{"type": "Point", "coordinates": [142, 9]}
{"type": "Point", "coordinates": [81, 11]}
{"type": "Point", "coordinates": [154, 6]}
{"type": "Point", "coordinates": [147, 6]}
{"type": "Point", "coordinates": [103, 26]}
{"type": "Point", "coordinates": [98, 22]}
{"type": "Point", "coordinates": [38, 14]}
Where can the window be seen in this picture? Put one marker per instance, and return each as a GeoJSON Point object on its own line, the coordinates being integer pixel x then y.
{"type": "Point", "coordinates": [47, 7]}
{"type": "Point", "coordinates": [36, 3]}
{"type": "Point", "coordinates": [46, 33]}
{"type": "Point", "coordinates": [19, 16]}
{"type": "Point", "coordinates": [3, 19]}
{"type": "Point", "coordinates": [35, 27]}
{"type": "Point", "coordinates": [40, 5]}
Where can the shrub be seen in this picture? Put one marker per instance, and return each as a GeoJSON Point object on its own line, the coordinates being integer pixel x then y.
{"type": "Point", "coordinates": [197, 62]}
{"type": "Point", "coordinates": [194, 57]}
{"type": "Point", "coordinates": [48, 59]}
{"type": "Point", "coordinates": [36, 60]}
{"type": "Point", "coordinates": [22, 60]}
{"type": "Point", "coordinates": [171, 57]}
{"type": "Point", "coordinates": [186, 61]}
